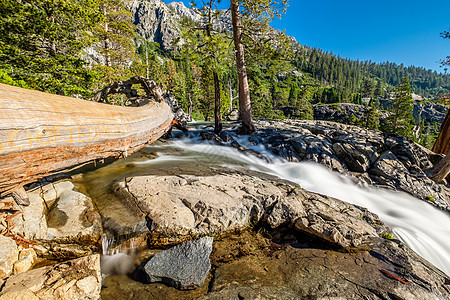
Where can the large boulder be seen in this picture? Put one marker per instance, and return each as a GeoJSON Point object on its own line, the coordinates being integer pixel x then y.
{"type": "Point", "coordinates": [185, 206]}
{"type": "Point", "coordinates": [184, 266]}
{"type": "Point", "coordinates": [73, 219]}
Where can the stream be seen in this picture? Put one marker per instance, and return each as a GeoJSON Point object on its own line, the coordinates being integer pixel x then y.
{"type": "Point", "coordinates": [424, 228]}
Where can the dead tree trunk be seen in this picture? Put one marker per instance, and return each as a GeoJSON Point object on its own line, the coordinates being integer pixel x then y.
{"type": "Point", "coordinates": [441, 170]}
{"type": "Point", "coordinates": [41, 134]}
{"type": "Point", "coordinates": [442, 144]}
{"type": "Point", "coordinates": [244, 91]}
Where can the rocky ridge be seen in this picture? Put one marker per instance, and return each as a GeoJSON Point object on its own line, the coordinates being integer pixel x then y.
{"type": "Point", "coordinates": [161, 23]}
{"type": "Point", "coordinates": [432, 114]}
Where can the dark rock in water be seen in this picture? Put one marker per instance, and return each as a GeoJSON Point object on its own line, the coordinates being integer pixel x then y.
{"type": "Point", "coordinates": [184, 266]}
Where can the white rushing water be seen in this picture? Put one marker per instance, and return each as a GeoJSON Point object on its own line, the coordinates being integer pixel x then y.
{"type": "Point", "coordinates": [424, 228]}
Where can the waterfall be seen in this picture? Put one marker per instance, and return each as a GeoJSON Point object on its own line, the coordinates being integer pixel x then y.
{"type": "Point", "coordinates": [424, 228]}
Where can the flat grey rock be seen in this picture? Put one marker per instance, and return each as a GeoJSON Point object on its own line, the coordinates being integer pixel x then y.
{"type": "Point", "coordinates": [184, 266]}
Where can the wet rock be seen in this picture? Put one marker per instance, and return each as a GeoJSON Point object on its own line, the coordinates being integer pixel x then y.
{"type": "Point", "coordinates": [184, 266]}
{"type": "Point", "coordinates": [74, 219]}
{"type": "Point", "coordinates": [290, 272]}
{"type": "Point", "coordinates": [353, 159]}
{"type": "Point", "coordinates": [8, 255]}
{"type": "Point", "coordinates": [389, 166]}
{"type": "Point", "coordinates": [74, 279]}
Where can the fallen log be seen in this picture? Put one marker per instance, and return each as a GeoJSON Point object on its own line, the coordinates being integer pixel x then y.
{"type": "Point", "coordinates": [41, 133]}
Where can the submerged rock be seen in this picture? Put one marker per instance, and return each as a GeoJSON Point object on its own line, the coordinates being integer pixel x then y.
{"type": "Point", "coordinates": [184, 266]}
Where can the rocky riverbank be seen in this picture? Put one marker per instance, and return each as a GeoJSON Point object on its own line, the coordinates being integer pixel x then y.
{"type": "Point", "coordinates": [270, 238]}
{"type": "Point", "coordinates": [368, 156]}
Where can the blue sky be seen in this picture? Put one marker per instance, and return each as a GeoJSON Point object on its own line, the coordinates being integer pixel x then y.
{"type": "Point", "coordinates": [401, 31]}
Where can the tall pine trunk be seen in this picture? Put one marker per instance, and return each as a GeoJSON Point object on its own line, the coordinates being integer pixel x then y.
{"type": "Point", "coordinates": [217, 116]}
{"type": "Point", "coordinates": [106, 41]}
{"type": "Point", "coordinates": [244, 91]}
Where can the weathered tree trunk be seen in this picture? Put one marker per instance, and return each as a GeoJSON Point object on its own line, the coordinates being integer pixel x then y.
{"type": "Point", "coordinates": [217, 116]}
{"type": "Point", "coordinates": [42, 133]}
{"type": "Point", "coordinates": [442, 144]}
{"type": "Point", "coordinates": [441, 170]}
{"type": "Point", "coordinates": [244, 91]}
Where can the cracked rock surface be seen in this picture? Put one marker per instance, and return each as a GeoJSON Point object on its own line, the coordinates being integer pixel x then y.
{"type": "Point", "coordinates": [250, 265]}
{"type": "Point", "coordinates": [74, 279]}
{"type": "Point", "coordinates": [181, 207]}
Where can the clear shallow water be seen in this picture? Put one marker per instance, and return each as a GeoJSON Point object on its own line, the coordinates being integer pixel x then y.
{"type": "Point", "coordinates": [424, 228]}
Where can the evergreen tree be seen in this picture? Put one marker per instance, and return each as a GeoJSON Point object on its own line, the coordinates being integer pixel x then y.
{"type": "Point", "coordinates": [209, 50]}
{"type": "Point", "coordinates": [372, 116]}
{"type": "Point", "coordinates": [378, 90]}
{"type": "Point", "coordinates": [368, 88]}
{"type": "Point", "coordinates": [42, 43]}
{"type": "Point", "coordinates": [400, 122]}
{"type": "Point", "coordinates": [260, 13]}
{"type": "Point", "coordinates": [115, 40]}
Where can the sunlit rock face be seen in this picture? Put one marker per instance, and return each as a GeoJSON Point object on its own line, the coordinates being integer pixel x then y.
{"type": "Point", "coordinates": [184, 206]}
{"type": "Point", "coordinates": [162, 23]}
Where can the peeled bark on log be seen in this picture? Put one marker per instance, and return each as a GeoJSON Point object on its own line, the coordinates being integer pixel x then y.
{"type": "Point", "coordinates": [42, 133]}
{"type": "Point", "coordinates": [442, 144]}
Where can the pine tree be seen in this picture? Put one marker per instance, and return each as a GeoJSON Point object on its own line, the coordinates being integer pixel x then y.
{"type": "Point", "coordinates": [368, 88]}
{"type": "Point", "coordinates": [259, 13]}
{"type": "Point", "coordinates": [372, 116]}
{"type": "Point", "coordinates": [209, 50]}
{"type": "Point", "coordinates": [400, 122]}
{"type": "Point", "coordinates": [42, 43]}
